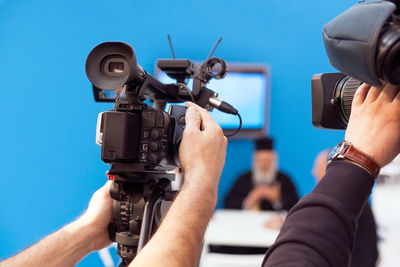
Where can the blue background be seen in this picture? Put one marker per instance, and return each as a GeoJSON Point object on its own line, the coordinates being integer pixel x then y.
{"type": "Point", "coordinates": [50, 163]}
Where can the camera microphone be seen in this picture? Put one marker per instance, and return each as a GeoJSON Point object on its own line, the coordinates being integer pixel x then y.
{"type": "Point", "coordinates": [222, 105]}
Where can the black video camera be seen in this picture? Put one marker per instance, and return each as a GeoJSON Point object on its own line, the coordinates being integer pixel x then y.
{"type": "Point", "coordinates": [140, 141]}
{"type": "Point", "coordinates": [364, 44]}
{"type": "Point", "coordinates": [134, 134]}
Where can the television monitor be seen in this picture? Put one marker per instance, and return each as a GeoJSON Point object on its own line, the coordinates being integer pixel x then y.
{"type": "Point", "coordinates": [246, 87]}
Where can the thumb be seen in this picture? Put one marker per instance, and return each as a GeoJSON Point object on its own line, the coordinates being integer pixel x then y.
{"type": "Point", "coordinates": [192, 118]}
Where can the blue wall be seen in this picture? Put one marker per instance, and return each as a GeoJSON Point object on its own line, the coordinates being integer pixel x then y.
{"type": "Point", "coordinates": [50, 164]}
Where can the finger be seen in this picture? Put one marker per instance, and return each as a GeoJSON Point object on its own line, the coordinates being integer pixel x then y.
{"type": "Point", "coordinates": [206, 119]}
{"type": "Point", "coordinates": [361, 94]}
{"type": "Point", "coordinates": [373, 94]}
{"type": "Point", "coordinates": [192, 119]}
{"type": "Point", "coordinates": [389, 91]}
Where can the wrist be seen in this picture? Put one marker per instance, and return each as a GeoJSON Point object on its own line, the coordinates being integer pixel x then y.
{"type": "Point", "coordinates": [201, 181]}
{"type": "Point", "coordinates": [198, 190]}
{"type": "Point", "coordinates": [347, 151]}
{"type": "Point", "coordinates": [85, 232]}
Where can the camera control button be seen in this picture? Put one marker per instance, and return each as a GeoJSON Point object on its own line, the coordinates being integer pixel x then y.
{"type": "Point", "coordinates": [154, 146]}
{"type": "Point", "coordinates": [154, 134]}
{"type": "Point", "coordinates": [153, 159]}
{"type": "Point", "coordinates": [143, 156]}
{"type": "Point", "coordinates": [145, 147]}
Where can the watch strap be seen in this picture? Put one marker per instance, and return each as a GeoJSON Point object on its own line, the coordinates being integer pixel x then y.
{"type": "Point", "coordinates": [360, 158]}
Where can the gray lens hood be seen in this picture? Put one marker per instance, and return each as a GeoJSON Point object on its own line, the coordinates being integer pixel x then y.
{"type": "Point", "coordinates": [351, 39]}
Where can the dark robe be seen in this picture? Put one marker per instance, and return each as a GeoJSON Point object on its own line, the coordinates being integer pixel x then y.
{"type": "Point", "coordinates": [320, 229]}
{"type": "Point", "coordinates": [244, 185]}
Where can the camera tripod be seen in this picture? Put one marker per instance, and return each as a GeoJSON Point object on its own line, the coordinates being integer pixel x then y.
{"type": "Point", "coordinates": [140, 200]}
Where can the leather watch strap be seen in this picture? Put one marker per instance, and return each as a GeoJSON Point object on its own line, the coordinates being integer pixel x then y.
{"type": "Point", "coordinates": [368, 163]}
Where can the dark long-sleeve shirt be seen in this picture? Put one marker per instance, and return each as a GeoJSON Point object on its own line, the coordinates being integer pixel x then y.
{"type": "Point", "coordinates": [365, 251]}
{"type": "Point", "coordinates": [319, 230]}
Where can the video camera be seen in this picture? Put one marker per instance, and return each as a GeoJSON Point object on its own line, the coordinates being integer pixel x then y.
{"type": "Point", "coordinates": [364, 44]}
{"type": "Point", "coordinates": [141, 142]}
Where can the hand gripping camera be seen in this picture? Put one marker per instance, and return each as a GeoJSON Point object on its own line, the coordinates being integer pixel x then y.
{"type": "Point", "coordinates": [364, 44]}
{"type": "Point", "coordinates": [141, 142]}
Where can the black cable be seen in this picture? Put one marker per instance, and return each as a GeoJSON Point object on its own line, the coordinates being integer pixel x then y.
{"type": "Point", "coordinates": [238, 129]}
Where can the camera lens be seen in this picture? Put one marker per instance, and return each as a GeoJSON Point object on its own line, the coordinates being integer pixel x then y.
{"type": "Point", "coordinates": [394, 69]}
{"type": "Point", "coordinates": [388, 54]}
{"type": "Point", "coordinates": [116, 67]}
{"type": "Point", "coordinates": [344, 91]}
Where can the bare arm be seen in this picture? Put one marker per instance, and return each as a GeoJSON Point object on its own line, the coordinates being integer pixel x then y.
{"type": "Point", "coordinates": [178, 241]}
{"type": "Point", "coordinates": [69, 245]}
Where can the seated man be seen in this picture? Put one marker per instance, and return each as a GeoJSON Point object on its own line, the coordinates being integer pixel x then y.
{"type": "Point", "coordinates": [264, 187]}
{"type": "Point", "coordinates": [365, 250]}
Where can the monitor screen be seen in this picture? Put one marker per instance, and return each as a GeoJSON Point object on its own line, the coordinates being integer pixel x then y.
{"type": "Point", "coordinates": [246, 87]}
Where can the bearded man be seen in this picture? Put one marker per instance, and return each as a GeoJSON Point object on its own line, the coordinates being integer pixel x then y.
{"type": "Point", "coordinates": [264, 187]}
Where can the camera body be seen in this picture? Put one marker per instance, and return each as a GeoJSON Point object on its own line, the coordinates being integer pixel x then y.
{"type": "Point", "coordinates": [134, 136]}
{"type": "Point", "coordinates": [146, 140]}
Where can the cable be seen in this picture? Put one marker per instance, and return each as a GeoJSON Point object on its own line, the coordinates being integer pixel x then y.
{"type": "Point", "coordinates": [182, 85]}
{"type": "Point", "coordinates": [238, 129]}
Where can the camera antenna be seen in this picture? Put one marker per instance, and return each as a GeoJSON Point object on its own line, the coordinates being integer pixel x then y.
{"type": "Point", "coordinates": [170, 46]}
{"type": "Point", "coordinates": [215, 47]}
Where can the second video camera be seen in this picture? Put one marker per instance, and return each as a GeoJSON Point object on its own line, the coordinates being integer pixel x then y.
{"type": "Point", "coordinates": [364, 44]}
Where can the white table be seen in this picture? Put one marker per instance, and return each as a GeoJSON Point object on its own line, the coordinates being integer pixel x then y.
{"type": "Point", "coordinates": [238, 228]}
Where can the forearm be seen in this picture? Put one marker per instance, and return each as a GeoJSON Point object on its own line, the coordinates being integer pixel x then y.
{"type": "Point", "coordinates": [66, 247]}
{"type": "Point", "coordinates": [319, 230]}
{"type": "Point", "coordinates": [178, 241]}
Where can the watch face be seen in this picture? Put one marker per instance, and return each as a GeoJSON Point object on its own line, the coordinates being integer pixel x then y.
{"type": "Point", "coordinates": [336, 151]}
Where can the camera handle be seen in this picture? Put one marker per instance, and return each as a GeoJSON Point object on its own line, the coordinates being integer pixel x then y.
{"type": "Point", "coordinates": [135, 206]}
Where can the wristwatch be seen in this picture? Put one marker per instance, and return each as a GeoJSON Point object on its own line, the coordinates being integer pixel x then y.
{"type": "Point", "coordinates": [346, 151]}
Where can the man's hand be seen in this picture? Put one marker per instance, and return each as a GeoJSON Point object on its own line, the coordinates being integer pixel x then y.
{"type": "Point", "coordinates": [69, 245]}
{"type": "Point", "coordinates": [98, 215]}
{"type": "Point", "coordinates": [178, 240]}
{"type": "Point", "coordinates": [271, 193]}
{"type": "Point", "coordinates": [374, 125]}
{"type": "Point", "coordinates": [202, 150]}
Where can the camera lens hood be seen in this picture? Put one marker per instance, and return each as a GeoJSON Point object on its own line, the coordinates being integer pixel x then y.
{"type": "Point", "coordinates": [351, 39]}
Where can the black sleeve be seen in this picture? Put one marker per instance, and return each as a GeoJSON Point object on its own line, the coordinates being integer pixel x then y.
{"type": "Point", "coordinates": [238, 192]}
{"type": "Point", "coordinates": [365, 252]}
{"type": "Point", "coordinates": [289, 195]}
{"type": "Point", "coordinates": [319, 230]}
